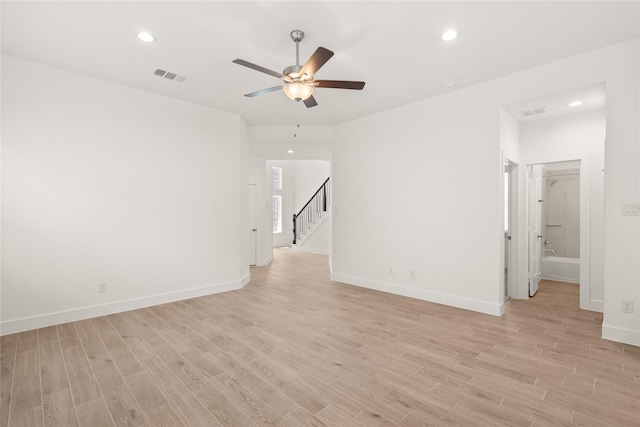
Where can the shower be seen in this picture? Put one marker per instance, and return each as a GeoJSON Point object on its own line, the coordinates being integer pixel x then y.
{"type": "Point", "coordinates": [560, 255]}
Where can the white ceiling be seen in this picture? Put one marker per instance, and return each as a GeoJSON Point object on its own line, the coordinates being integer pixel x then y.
{"type": "Point", "coordinates": [593, 97]}
{"type": "Point", "coordinates": [394, 46]}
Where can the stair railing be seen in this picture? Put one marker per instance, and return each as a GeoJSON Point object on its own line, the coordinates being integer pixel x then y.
{"type": "Point", "coordinates": [311, 212]}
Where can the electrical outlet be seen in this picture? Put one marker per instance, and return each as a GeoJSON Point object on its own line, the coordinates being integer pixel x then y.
{"type": "Point", "coordinates": [412, 274]}
{"type": "Point", "coordinates": [631, 209]}
{"type": "Point", "coordinates": [391, 271]}
{"type": "Point", "coordinates": [102, 287]}
{"type": "Point", "coordinates": [627, 306]}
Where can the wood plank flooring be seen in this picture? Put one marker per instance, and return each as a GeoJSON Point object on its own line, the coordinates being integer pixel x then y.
{"type": "Point", "coordinates": [294, 349]}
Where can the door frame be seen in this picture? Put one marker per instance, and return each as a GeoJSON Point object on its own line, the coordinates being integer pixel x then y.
{"type": "Point", "coordinates": [510, 247]}
{"type": "Point", "coordinates": [534, 185]}
{"type": "Point", "coordinates": [521, 290]}
{"type": "Point", "coordinates": [253, 224]}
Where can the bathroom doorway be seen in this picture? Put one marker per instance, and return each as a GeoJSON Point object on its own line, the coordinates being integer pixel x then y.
{"type": "Point", "coordinates": [554, 223]}
{"type": "Point", "coordinates": [559, 232]}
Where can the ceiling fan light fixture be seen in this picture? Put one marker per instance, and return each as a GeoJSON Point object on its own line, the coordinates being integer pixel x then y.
{"type": "Point", "coordinates": [298, 91]}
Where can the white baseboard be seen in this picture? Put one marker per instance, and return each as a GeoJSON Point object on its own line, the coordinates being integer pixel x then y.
{"type": "Point", "coordinates": [627, 336]}
{"type": "Point", "coordinates": [437, 297]}
{"type": "Point", "coordinates": [557, 278]}
{"type": "Point", "coordinates": [265, 261]}
{"type": "Point", "coordinates": [597, 305]}
{"type": "Point", "coordinates": [297, 248]}
{"type": "Point", "coordinates": [57, 318]}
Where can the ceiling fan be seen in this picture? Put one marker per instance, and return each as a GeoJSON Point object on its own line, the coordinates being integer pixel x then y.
{"type": "Point", "coordinates": [298, 79]}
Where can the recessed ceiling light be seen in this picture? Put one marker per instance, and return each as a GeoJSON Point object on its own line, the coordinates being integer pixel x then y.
{"type": "Point", "coordinates": [146, 37]}
{"type": "Point", "coordinates": [290, 151]}
{"type": "Point", "coordinates": [449, 35]}
{"type": "Point", "coordinates": [449, 84]}
{"type": "Point", "coordinates": [575, 103]}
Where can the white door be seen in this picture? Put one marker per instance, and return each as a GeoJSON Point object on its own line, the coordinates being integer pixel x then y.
{"type": "Point", "coordinates": [253, 224]}
{"type": "Point", "coordinates": [535, 233]}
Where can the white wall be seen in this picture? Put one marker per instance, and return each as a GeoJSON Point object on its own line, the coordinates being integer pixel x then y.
{"type": "Point", "coordinates": [309, 175]}
{"type": "Point", "coordinates": [509, 136]}
{"type": "Point", "coordinates": [577, 133]}
{"type": "Point", "coordinates": [622, 185]}
{"type": "Point", "coordinates": [104, 183]}
{"type": "Point", "coordinates": [418, 188]}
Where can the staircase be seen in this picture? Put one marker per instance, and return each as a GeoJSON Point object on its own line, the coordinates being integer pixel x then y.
{"type": "Point", "coordinates": [312, 213]}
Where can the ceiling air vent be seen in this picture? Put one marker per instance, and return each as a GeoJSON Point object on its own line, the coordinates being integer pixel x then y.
{"type": "Point", "coordinates": [534, 112]}
{"type": "Point", "coordinates": [170, 76]}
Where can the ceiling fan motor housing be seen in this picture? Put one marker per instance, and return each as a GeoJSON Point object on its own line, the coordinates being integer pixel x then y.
{"type": "Point", "coordinates": [292, 71]}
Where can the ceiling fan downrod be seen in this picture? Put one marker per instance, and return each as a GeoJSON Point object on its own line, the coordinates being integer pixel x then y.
{"type": "Point", "coordinates": [296, 36]}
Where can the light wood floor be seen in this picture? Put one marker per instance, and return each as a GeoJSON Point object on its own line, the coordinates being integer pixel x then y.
{"type": "Point", "coordinates": [295, 349]}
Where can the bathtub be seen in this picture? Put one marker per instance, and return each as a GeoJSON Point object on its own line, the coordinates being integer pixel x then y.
{"type": "Point", "coordinates": [560, 269]}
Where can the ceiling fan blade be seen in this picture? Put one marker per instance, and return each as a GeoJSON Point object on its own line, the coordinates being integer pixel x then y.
{"type": "Point", "coordinates": [310, 102]}
{"type": "Point", "coordinates": [317, 60]}
{"type": "Point", "coordinates": [259, 68]}
{"type": "Point", "coordinates": [339, 84]}
{"type": "Point", "coordinates": [263, 91]}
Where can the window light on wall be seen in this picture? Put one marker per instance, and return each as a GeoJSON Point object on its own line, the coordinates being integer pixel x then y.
{"type": "Point", "coordinates": [276, 181]}
{"type": "Point", "coordinates": [277, 214]}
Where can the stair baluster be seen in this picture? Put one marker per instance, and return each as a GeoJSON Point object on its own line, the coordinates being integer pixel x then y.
{"type": "Point", "coordinates": [312, 211]}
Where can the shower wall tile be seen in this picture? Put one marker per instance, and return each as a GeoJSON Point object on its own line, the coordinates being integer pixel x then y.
{"type": "Point", "coordinates": [556, 204]}
{"type": "Point", "coordinates": [572, 225]}
{"type": "Point", "coordinates": [557, 246]}
{"type": "Point", "coordinates": [556, 242]}
{"type": "Point", "coordinates": [572, 184]}
{"type": "Point", "coordinates": [572, 203]}
{"type": "Point", "coordinates": [555, 219]}
{"type": "Point", "coordinates": [555, 233]}
{"type": "Point", "coordinates": [557, 187]}
{"type": "Point", "coordinates": [561, 208]}
{"type": "Point", "coordinates": [572, 247]}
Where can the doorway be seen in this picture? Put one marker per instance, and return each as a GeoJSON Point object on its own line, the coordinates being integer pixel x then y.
{"type": "Point", "coordinates": [534, 177]}
{"type": "Point", "coordinates": [544, 238]}
{"type": "Point", "coordinates": [510, 218]}
{"type": "Point", "coordinates": [253, 224]}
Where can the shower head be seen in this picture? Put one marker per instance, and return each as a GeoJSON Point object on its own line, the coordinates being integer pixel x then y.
{"type": "Point", "coordinates": [551, 182]}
